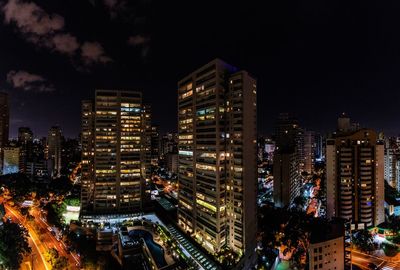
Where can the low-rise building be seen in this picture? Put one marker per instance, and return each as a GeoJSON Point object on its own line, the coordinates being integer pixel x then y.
{"type": "Point", "coordinates": [326, 250]}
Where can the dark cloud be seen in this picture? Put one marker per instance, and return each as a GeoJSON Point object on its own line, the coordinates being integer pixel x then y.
{"type": "Point", "coordinates": [138, 40]}
{"type": "Point", "coordinates": [28, 81]}
{"type": "Point", "coordinates": [65, 43]}
{"type": "Point", "coordinates": [48, 31]}
{"type": "Point", "coordinates": [93, 52]}
{"type": "Point", "coordinates": [31, 19]}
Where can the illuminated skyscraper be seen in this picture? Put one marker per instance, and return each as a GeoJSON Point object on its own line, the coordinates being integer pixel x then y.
{"type": "Point", "coordinates": [113, 153]}
{"type": "Point", "coordinates": [217, 157]}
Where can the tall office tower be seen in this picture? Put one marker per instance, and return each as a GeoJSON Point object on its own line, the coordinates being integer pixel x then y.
{"type": "Point", "coordinates": [4, 122]}
{"type": "Point", "coordinates": [147, 140]}
{"type": "Point", "coordinates": [218, 158]}
{"type": "Point", "coordinates": [155, 142]}
{"type": "Point", "coordinates": [54, 151]}
{"type": "Point", "coordinates": [355, 177]}
{"type": "Point", "coordinates": [113, 153]}
{"type": "Point", "coordinates": [87, 144]}
{"type": "Point", "coordinates": [25, 142]}
{"type": "Point", "coordinates": [287, 160]}
{"type": "Point", "coordinates": [309, 151]}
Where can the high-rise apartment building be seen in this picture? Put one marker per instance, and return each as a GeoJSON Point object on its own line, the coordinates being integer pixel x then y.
{"type": "Point", "coordinates": [54, 151]}
{"type": "Point", "coordinates": [217, 157]}
{"type": "Point", "coordinates": [355, 177]}
{"type": "Point", "coordinates": [113, 153]}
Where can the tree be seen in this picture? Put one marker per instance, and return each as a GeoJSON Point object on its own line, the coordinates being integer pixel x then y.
{"type": "Point", "coordinates": [11, 255]}
{"type": "Point", "coordinates": [54, 213]}
{"type": "Point", "coordinates": [56, 261]}
{"type": "Point", "coordinates": [60, 263]}
{"type": "Point", "coordinates": [363, 240]}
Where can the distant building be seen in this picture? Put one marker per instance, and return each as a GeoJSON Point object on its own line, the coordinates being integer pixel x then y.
{"type": "Point", "coordinates": [355, 177]}
{"type": "Point", "coordinates": [25, 135]}
{"type": "Point", "coordinates": [54, 151]}
{"type": "Point", "coordinates": [4, 122]}
{"type": "Point", "coordinates": [269, 149]}
{"type": "Point", "coordinates": [146, 142]}
{"type": "Point", "coordinates": [11, 160]}
{"type": "Point", "coordinates": [25, 142]}
{"type": "Point", "coordinates": [288, 160]}
{"type": "Point", "coordinates": [155, 142]}
{"type": "Point", "coordinates": [172, 162]}
{"type": "Point", "coordinates": [168, 144]}
{"type": "Point", "coordinates": [37, 170]}
{"type": "Point", "coordinates": [309, 151]}
{"type": "Point", "coordinates": [320, 146]}
{"type": "Point", "coordinates": [287, 181]}
{"type": "Point", "coordinates": [391, 162]}
{"type": "Point", "coordinates": [327, 248]}
{"type": "Point", "coordinates": [392, 205]}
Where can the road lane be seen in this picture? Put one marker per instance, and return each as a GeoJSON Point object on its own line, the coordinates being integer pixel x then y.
{"type": "Point", "coordinates": [37, 245]}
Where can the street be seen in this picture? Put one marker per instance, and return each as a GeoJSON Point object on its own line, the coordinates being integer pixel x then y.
{"type": "Point", "coordinates": [362, 260]}
{"type": "Point", "coordinates": [40, 244]}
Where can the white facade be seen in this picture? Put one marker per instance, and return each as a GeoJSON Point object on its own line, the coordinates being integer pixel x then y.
{"type": "Point", "coordinates": [327, 255]}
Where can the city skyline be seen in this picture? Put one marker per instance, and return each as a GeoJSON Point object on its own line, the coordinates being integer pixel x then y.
{"type": "Point", "coordinates": [143, 46]}
{"type": "Point", "coordinates": [209, 135]}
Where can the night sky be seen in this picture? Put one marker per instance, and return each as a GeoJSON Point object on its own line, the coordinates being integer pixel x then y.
{"type": "Point", "coordinates": [313, 58]}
